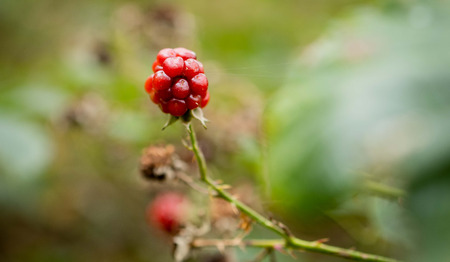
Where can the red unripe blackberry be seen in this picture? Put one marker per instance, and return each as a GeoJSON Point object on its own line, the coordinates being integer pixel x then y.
{"type": "Point", "coordinates": [205, 100]}
{"type": "Point", "coordinates": [173, 66]}
{"type": "Point", "coordinates": [149, 84]}
{"type": "Point", "coordinates": [180, 89]}
{"type": "Point", "coordinates": [185, 53]}
{"type": "Point", "coordinates": [179, 83]}
{"type": "Point", "coordinates": [164, 54]}
{"type": "Point", "coordinates": [193, 101]}
{"type": "Point", "coordinates": [199, 84]}
{"type": "Point", "coordinates": [191, 68]}
{"type": "Point", "coordinates": [161, 81]}
{"type": "Point", "coordinates": [168, 212]}
{"type": "Point", "coordinates": [177, 107]}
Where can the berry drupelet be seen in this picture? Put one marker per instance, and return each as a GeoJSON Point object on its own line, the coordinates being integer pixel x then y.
{"type": "Point", "coordinates": [178, 83]}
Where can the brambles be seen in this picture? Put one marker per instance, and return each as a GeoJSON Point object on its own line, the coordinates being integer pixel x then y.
{"type": "Point", "coordinates": [180, 88]}
{"type": "Point", "coordinates": [178, 83]}
{"type": "Point", "coordinates": [168, 212]}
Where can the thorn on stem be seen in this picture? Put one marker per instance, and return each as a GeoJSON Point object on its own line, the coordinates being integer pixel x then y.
{"type": "Point", "coordinates": [283, 227]}
{"type": "Point", "coordinates": [322, 240]}
{"type": "Point", "coordinates": [187, 125]}
{"type": "Point", "coordinates": [186, 145]}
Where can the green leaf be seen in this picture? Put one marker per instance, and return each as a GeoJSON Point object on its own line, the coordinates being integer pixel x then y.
{"type": "Point", "coordinates": [370, 97]}
{"type": "Point", "coordinates": [26, 150]}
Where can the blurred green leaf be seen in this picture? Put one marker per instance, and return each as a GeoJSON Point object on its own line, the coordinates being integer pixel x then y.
{"type": "Point", "coordinates": [370, 96]}
{"type": "Point", "coordinates": [39, 100]}
{"type": "Point", "coordinates": [26, 150]}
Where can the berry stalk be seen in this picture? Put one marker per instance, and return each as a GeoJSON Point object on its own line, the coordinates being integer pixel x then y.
{"type": "Point", "coordinates": [289, 241]}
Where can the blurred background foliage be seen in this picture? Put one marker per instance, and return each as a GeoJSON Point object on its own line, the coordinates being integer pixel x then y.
{"type": "Point", "coordinates": [312, 102]}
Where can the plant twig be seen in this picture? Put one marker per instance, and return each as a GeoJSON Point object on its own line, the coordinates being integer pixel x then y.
{"type": "Point", "coordinates": [190, 182]}
{"type": "Point", "coordinates": [262, 255]}
{"type": "Point", "coordinates": [288, 241]}
{"type": "Point", "coordinates": [384, 190]}
{"type": "Point", "coordinates": [225, 195]}
{"type": "Point", "coordinates": [273, 256]}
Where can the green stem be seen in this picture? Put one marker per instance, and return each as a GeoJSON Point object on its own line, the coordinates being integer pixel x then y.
{"type": "Point", "coordinates": [259, 243]}
{"type": "Point", "coordinates": [198, 154]}
{"type": "Point", "coordinates": [315, 246]}
{"type": "Point", "coordinates": [225, 195]}
{"type": "Point", "coordinates": [384, 190]}
{"type": "Point", "coordinates": [288, 240]}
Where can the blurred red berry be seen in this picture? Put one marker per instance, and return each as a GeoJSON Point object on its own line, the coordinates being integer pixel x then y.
{"type": "Point", "coordinates": [156, 66]}
{"type": "Point", "coordinates": [153, 96]}
{"type": "Point", "coordinates": [168, 212]}
{"type": "Point", "coordinates": [149, 84]}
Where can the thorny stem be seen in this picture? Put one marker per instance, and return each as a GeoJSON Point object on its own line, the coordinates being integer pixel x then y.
{"type": "Point", "coordinates": [289, 241]}
{"type": "Point", "coordinates": [225, 195]}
